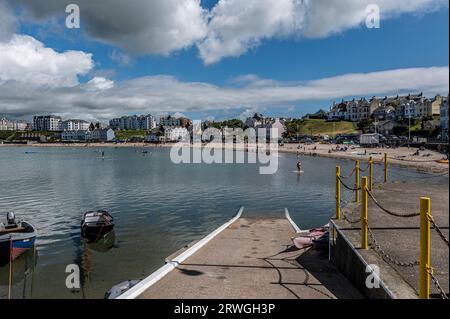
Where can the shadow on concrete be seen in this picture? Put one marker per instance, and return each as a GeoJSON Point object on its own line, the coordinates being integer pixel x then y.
{"type": "Point", "coordinates": [316, 264]}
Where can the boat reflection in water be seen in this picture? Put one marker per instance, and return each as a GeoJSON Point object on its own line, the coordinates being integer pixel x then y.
{"type": "Point", "coordinates": [17, 278]}
{"type": "Point", "coordinates": [87, 249]}
{"type": "Point", "coordinates": [104, 244]}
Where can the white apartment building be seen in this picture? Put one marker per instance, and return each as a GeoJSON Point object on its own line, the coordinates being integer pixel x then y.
{"type": "Point", "coordinates": [12, 125]}
{"type": "Point", "coordinates": [47, 123]}
{"type": "Point", "coordinates": [100, 135]}
{"type": "Point", "coordinates": [75, 125]}
{"type": "Point", "coordinates": [135, 122]}
{"type": "Point", "coordinates": [75, 136]}
{"type": "Point", "coordinates": [176, 134]}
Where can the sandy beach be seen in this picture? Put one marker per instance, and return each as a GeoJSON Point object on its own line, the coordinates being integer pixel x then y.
{"type": "Point", "coordinates": [427, 160]}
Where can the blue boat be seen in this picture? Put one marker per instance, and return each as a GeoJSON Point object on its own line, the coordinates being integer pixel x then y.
{"type": "Point", "coordinates": [15, 238]}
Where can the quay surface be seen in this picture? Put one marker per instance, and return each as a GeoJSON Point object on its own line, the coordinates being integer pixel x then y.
{"type": "Point", "coordinates": [250, 258]}
{"type": "Point", "coordinates": [399, 238]}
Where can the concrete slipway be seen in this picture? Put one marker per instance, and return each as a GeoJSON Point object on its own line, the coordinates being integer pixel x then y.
{"type": "Point", "coordinates": [250, 258]}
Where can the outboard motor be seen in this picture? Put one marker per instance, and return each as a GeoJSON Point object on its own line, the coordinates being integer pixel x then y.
{"type": "Point", "coordinates": [11, 218]}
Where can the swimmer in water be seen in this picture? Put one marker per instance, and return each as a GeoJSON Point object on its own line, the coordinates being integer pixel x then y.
{"type": "Point", "coordinates": [299, 166]}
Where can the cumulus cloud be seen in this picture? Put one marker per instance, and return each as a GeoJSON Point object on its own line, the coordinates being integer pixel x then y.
{"type": "Point", "coordinates": [237, 26]}
{"type": "Point", "coordinates": [138, 26]}
{"type": "Point", "coordinates": [26, 60]}
{"type": "Point", "coordinates": [100, 83]}
{"type": "Point", "coordinates": [229, 29]}
{"type": "Point", "coordinates": [166, 94]}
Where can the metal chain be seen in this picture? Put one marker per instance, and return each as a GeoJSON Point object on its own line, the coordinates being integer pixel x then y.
{"type": "Point", "coordinates": [410, 160]}
{"type": "Point", "coordinates": [438, 230]}
{"type": "Point", "coordinates": [350, 175]}
{"type": "Point", "coordinates": [346, 218]}
{"type": "Point", "coordinates": [388, 211]}
{"type": "Point", "coordinates": [348, 187]}
{"type": "Point", "coordinates": [437, 284]}
{"type": "Point", "coordinates": [376, 246]}
{"type": "Point", "coordinates": [363, 170]}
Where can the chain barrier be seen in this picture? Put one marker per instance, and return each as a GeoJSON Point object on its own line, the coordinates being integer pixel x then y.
{"type": "Point", "coordinates": [350, 221]}
{"type": "Point", "coordinates": [410, 160]}
{"type": "Point", "coordinates": [388, 211]}
{"type": "Point", "coordinates": [364, 170]}
{"type": "Point", "coordinates": [429, 175]}
{"type": "Point", "coordinates": [437, 284]}
{"type": "Point", "coordinates": [438, 230]}
{"type": "Point", "coordinates": [386, 257]}
{"type": "Point", "coordinates": [348, 187]}
{"type": "Point", "coordinates": [350, 175]}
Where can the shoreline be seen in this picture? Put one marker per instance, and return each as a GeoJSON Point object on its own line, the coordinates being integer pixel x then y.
{"type": "Point", "coordinates": [401, 156]}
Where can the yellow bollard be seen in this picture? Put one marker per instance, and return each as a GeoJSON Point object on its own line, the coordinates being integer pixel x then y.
{"type": "Point", "coordinates": [424, 262]}
{"type": "Point", "coordinates": [371, 173]}
{"type": "Point", "coordinates": [364, 215]}
{"type": "Point", "coordinates": [338, 193]}
{"type": "Point", "coordinates": [385, 168]}
{"type": "Point", "coordinates": [356, 181]}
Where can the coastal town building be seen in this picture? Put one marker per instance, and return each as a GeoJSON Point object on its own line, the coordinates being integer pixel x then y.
{"type": "Point", "coordinates": [13, 125]}
{"type": "Point", "coordinates": [185, 122]}
{"type": "Point", "coordinates": [47, 123]}
{"type": "Point", "coordinates": [75, 125]}
{"type": "Point", "coordinates": [102, 135]}
{"type": "Point", "coordinates": [169, 121]}
{"type": "Point", "coordinates": [257, 121]}
{"type": "Point", "coordinates": [278, 128]}
{"type": "Point", "coordinates": [97, 135]}
{"type": "Point", "coordinates": [175, 134]}
{"type": "Point", "coordinates": [75, 136]}
{"type": "Point", "coordinates": [397, 108]}
{"type": "Point", "coordinates": [339, 112]}
{"type": "Point", "coordinates": [444, 118]}
{"type": "Point", "coordinates": [383, 127]}
{"type": "Point", "coordinates": [134, 122]}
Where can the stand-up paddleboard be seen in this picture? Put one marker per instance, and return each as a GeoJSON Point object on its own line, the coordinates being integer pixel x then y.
{"type": "Point", "coordinates": [298, 172]}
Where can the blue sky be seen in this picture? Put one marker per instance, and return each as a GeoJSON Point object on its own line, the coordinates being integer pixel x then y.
{"type": "Point", "coordinates": [410, 40]}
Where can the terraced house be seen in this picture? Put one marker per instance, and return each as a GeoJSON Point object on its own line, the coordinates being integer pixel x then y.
{"type": "Point", "coordinates": [396, 108]}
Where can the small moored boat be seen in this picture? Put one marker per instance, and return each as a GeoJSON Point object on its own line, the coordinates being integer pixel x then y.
{"type": "Point", "coordinates": [121, 288]}
{"type": "Point", "coordinates": [15, 238]}
{"type": "Point", "coordinates": [95, 225]}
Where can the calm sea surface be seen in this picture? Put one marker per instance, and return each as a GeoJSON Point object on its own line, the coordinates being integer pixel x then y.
{"type": "Point", "coordinates": [158, 208]}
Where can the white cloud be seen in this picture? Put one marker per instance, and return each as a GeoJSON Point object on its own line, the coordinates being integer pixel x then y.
{"type": "Point", "coordinates": [230, 29]}
{"type": "Point", "coordinates": [121, 58]}
{"type": "Point", "coordinates": [237, 26]}
{"type": "Point", "coordinates": [165, 94]}
{"type": "Point", "coordinates": [138, 26]}
{"type": "Point", "coordinates": [100, 83]}
{"type": "Point", "coordinates": [325, 17]}
{"type": "Point", "coordinates": [26, 60]}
